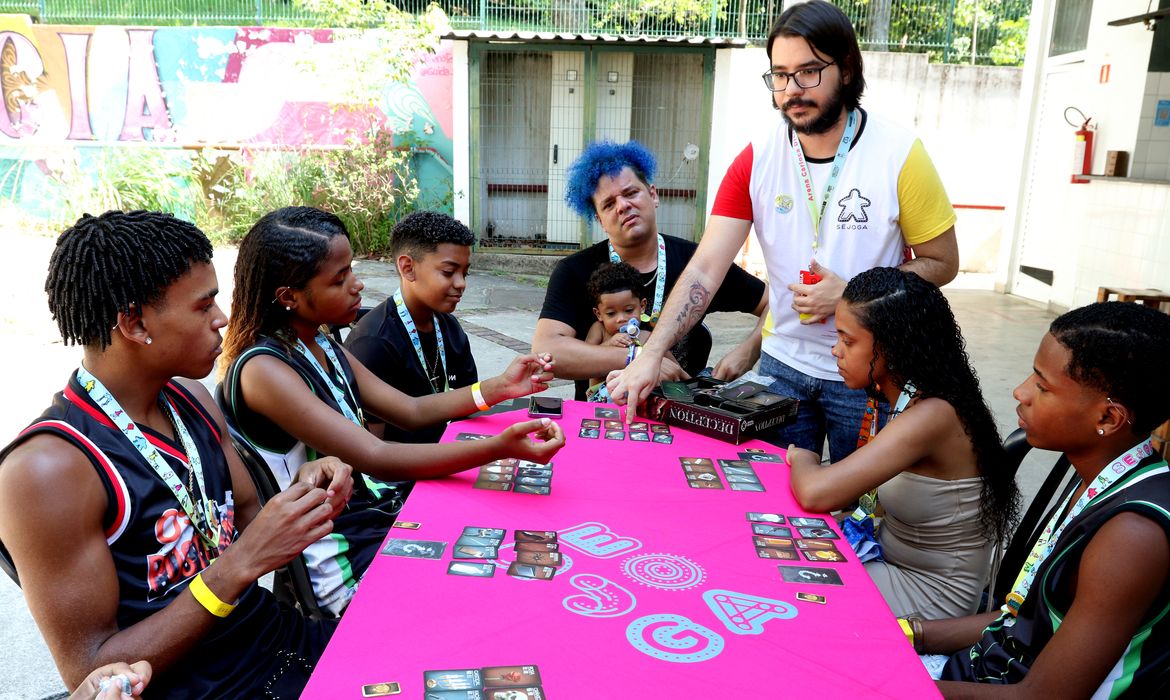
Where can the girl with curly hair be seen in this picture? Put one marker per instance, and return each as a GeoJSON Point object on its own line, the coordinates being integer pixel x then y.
{"type": "Point", "coordinates": [939, 469]}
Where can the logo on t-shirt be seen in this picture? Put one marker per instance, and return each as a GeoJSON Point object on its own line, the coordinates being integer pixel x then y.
{"type": "Point", "coordinates": [853, 208]}
{"type": "Point", "coordinates": [783, 204]}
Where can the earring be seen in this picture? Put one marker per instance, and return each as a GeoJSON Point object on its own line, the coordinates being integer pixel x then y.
{"type": "Point", "coordinates": [288, 308]}
{"type": "Point", "coordinates": [1100, 431]}
{"type": "Point", "coordinates": [148, 340]}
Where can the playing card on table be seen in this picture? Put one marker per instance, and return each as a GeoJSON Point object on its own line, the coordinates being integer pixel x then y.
{"type": "Point", "coordinates": [636, 436]}
{"type": "Point", "coordinates": [532, 490]}
{"type": "Point", "coordinates": [494, 533]}
{"type": "Point", "coordinates": [532, 481]}
{"type": "Point", "coordinates": [477, 569]}
{"type": "Point", "coordinates": [817, 532]}
{"type": "Point", "coordinates": [777, 553]}
{"type": "Point", "coordinates": [590, 423]}
{"type": "Point", "coordinates": [823, 555]}
{"type": "Point", "coordinates": [463, 679]}
{"type": "Point", "coordinates": [761, 457]}
{"type": "Point", "coordinates": [703, 476]}
{"type": "Point", "coordinates": [493, 485]}
{"type": "Point", "coordinates": [816, 544]}
{"type": "Point", "coordinates": [639, 426]}
{"type": "Point", "coordinates": [614, 435]}
{"type": "Point", "coordinates": [544, 472]}
{"type": "Point", "coordinates": [467, 551]}
{"type": "Point", "coordinates": [496, 469]}
{"type": "Point", "coordinates": [660, 428]}
{"type": "Point", "coordinates": [472, 436]}
{"type": "Point", "coordinates": [739, 471]}
{"type": "Point", "coordinates": [662, 438]}
{"type": "Point", "coordinates": [505, 462]}
{"type": "Point", "coordinates": [614, 425]}
{"type": "Point", "coordinates": [473, 541]}
{"type": "Point", "coordinates": [540, 573]}
{"type": "Point", "coordinates": [782, 542]}
{"type": "Point", "coordinates": [695, 484]}
{"type": "Point", "coordinates": [771, 530]}
{"type": "Point", "coordinates": [765, 517]}
{"type": "Point", "coordinates": [540, 558]}
{"type": "Point", "coordinates": [696, 461]}
{"type": "Point", "coordinates": [535, 535]}
{"type": "Point", "coordinates": [606, 412]}
{"type": "Point", "coordinates": [510, 676]}
{"type": "Point", "coordinates": [740, 478]}
{"type": "Point", "coordinates": [488, 476]}
{"type": "Point", "coordinates": [747, 487]}
{"type": "Point", "coordinates": [417, 549]}
{"type": "Point", "coordinates": [534, 692]}
{"type": "Point", "coordinates": [379, 690]}
{"type": "Point", "coordinates": [810, 574]}
{"type": "Point", "coordinates": [589, 433]}
{"type": "Point", "coordinates": [698, 469]}
{"type": "Point", "coordinates": [808, 522]}
{"type": "Point", "coordinates": [537, 547]}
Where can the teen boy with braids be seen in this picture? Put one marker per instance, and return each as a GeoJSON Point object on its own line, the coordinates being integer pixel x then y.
{"type": "Point", "coordinates": [133, 525]}
{"type": "Point", "coordinates": [1089, 614]}
{"type": "Point", "coordinates": [412, 341]}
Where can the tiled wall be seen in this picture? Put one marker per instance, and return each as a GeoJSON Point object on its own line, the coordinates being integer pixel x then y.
{"type": "Point", "coordinates": [1124, 240]}
{"type": "Point", "coordinates": [1151, 152]}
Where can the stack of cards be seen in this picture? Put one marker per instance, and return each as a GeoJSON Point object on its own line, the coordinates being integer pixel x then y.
{"type": "Point", "coordinates": [491, 683]}
{"type": "Point", "coordinates": [516, 475]}
{"type": "Point", "coordinates": [740, 475]}
{"type": "Point", "coordinates": [538, 555]}
{"type": "Point", "coordinates": [772, 536]}
{"type": "Point", "coordinates": [476, 543]}
{"type": "Point", "coordinates": [700, 473]}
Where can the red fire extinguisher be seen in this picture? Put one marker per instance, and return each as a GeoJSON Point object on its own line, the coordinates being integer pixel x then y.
{"type": "Point", "coordinates": [1082, 148]}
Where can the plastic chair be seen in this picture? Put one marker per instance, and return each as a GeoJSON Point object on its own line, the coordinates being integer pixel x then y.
{"type": "Point", "coordinates": [7, 565]}
{"type": "Point", "coordinates": [1037, 515]}
{"type": "Point", "coordinates": [292, 583]}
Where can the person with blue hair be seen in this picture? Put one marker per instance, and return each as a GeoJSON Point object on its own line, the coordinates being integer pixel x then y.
{"type": "Point", "coordinates": [613, 184]}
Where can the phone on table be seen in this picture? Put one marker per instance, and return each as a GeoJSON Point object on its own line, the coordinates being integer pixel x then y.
{"type": "Point", "coordinates": [544, 407]}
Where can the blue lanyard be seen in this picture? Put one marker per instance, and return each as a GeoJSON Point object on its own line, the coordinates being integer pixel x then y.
{"type": "Point", "coordinates": [805, 175]}
{"type": "Point", "coordinates": [412, 333]}
{"type": "Point", "coordinates": [338, 395]}
{"type": "Point", "coordinates": [660, 285]}
{"type": "Point", "coordinates": [203, 517]}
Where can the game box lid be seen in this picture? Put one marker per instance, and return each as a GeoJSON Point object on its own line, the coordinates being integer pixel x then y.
{"type": "Point", "coordinates": [711, 407]}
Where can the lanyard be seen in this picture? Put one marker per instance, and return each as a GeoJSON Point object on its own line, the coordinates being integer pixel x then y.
{"type": "Point", "coordinates": [338, 395]}
{"type": "Point", "coordinates": [202, 518]}
{"type": "Point", "coordinates": [805, 175]}
{"type": "Point", "coordinates": [867, 503]}
{"type": "Point", "coordinates": [412, 332]}
{"type": "Point", "coordinates": [660, 285]}
{"type": "Point", "coordinates": [1048, 538]}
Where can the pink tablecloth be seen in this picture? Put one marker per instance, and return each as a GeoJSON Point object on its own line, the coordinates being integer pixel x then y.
{"type": "Point", "coordinates": [661, 594]}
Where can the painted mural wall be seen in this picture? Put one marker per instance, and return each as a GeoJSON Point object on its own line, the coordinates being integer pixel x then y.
{"type": "Point", "coordinates": [82, 88]}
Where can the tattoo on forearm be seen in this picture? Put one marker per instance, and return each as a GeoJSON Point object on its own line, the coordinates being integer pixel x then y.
{"type": "Point", "coordinates": [698, 297]}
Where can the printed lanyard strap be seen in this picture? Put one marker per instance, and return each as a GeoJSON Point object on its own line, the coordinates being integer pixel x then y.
{"type": "Point", "coordinates": [805, 175]}
{"type": "Point", "coordinates": [341, 397]}
{"type": "Point", "coordinates": [867, 504]}
{"type": "Point", "coordinates": [202, 518]}
{"type": "Point", "coordinates": [660, 285]}
{"type": "Point", "coordinates": [412, 332]}
{"type": "Point", "coordinates": [1110, 475]}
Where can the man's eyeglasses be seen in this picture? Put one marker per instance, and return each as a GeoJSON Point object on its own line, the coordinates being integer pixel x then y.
{"type": "Point", "coordinates": [805, 78]}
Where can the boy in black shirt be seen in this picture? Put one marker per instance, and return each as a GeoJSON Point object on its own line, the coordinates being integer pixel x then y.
{"type": "Point", "coordinates": [411, 341]}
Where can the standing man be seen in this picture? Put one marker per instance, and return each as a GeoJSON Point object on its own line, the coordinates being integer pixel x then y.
{"type": "Point", "coordinates": [612, 183]}
{"type": "Point", "coordinates": [832, 191]}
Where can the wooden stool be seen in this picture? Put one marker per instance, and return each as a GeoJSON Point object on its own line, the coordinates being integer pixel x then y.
{"type": "Point", "coordinates": [1150, 297]}
{"type": "Point", "coordinates": [1154, 299]}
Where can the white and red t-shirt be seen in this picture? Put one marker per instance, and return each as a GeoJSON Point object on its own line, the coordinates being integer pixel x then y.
{"type": "Point", "coordinates": [888, 197]}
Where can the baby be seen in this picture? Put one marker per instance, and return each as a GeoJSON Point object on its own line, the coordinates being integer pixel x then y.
{"type": "Point", "coordinates": [618, 305]}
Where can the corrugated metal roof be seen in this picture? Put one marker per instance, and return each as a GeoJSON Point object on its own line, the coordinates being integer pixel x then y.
{"type": "Point", "coordinates": [509, 35]}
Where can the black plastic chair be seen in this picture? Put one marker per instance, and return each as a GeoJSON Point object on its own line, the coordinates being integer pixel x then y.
{"type": "Point", "coordinates": [1035, 517]}
{"type": "Point", "coordinates": [7, 565]}
{"type": "Point", "coordinates": [291, 582]}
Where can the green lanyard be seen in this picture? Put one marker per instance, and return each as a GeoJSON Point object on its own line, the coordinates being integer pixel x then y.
{"type": "Point", "coordinates": [805, 175]}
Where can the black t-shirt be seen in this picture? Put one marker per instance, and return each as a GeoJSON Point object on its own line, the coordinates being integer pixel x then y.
{"type": "Point", "coordinates": [567, 301]}
{"type": "Point", "coordinates": [379, 341]}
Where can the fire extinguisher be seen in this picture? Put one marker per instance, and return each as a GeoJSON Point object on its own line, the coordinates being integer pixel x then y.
{"type": "Point", "coordinates": [1082, 147]}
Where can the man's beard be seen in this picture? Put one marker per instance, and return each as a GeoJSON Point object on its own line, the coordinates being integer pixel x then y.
{"type": "Point", "coordinates": [826, 120]}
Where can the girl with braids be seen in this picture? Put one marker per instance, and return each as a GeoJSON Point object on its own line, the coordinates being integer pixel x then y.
{"type": "Point", "coordinates": [134, 527]}
{"type": "Point", "coordinates": [293, 393]}
{"type": "Point", "coordinates": [1089, 614]}
{"type": "Point", "coordinates": [938, 469]}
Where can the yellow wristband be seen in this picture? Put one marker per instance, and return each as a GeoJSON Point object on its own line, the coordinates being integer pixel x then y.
{"type": "Point", "coordinates": [477, 396]}
{"type": "Point", "coordinates": [207, 599]}
{"type": "Point", "coordinates": [907, 630]}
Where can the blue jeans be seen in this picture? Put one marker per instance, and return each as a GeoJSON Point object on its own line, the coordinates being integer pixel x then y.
{"type": "Point", "coordinates": [826, 407]}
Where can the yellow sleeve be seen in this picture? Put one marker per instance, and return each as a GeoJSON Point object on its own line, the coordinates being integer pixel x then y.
{"type": "Point", "coordinates": [924, 210]}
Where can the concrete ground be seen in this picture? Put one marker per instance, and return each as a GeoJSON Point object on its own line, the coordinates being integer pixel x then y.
{"type": "Point", "coordinates": [499, 314]}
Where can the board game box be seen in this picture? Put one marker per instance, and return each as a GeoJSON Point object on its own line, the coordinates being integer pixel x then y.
{"type": "Point", "coordinates": [710, 407]}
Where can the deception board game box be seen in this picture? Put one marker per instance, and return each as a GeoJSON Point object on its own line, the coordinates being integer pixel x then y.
{"type": "Point", "coordinates": [709, 407]}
